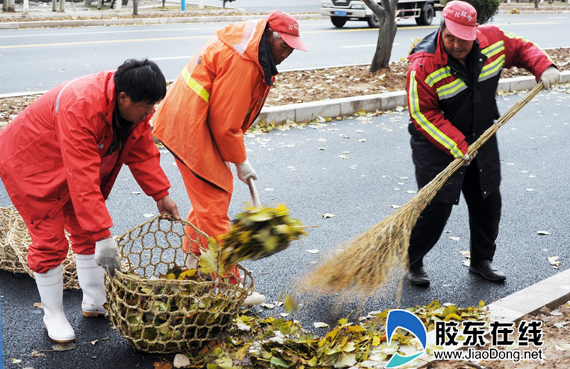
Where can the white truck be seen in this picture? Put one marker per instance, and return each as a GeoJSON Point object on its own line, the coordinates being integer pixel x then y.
{"type": "Point", "coordinates": [342, 11]}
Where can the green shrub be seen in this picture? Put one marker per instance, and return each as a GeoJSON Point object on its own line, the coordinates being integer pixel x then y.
{"type": "Point", "coordinates": [486, 9]}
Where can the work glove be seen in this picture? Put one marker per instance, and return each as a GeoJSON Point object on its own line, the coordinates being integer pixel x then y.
{"type": "Point", "coordinates": [550, 77]}
{"type": "Point", "coordinates": [468, 159]}
{"type": "Point", "coordinates": [245, 171]}
{"type": "Point", "coordinates": [107, 255]}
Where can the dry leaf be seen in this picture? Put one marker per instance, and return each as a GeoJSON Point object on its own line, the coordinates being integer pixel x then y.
{"type": "Point", "coordinates": [148, 215]}
{"type": "Point", "coordinates": [553, 260]}
{"type": "Point", "coordinates": [320, 325]}
{"type": "Point", "coordinates": [563, 347]}
{"type": "Point", "coordinates": [328, 215]}
{"type": "Point", "coordinates": [362, 140]}
{"type": "Point", "coordinates": [162, 365]}
{"type": "Point", "coordinates": [454, 238]}
{"type": "Point", "coordinates": [543, 233]}
{"type": "Point", "coordinates": [136, 193]}
{"type": "Point", "coordinates": [64, 346]}
{"type": "Point", "coordinates": [313, 251]}
{"type": "Point", "coordinates": [181, 361]}
{"type": "Point", "coordinates": [39, 305]}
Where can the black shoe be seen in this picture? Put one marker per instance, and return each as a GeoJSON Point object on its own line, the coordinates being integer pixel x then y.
{"type": "Point", "coordinates": [489, 271]}
{"type": "Point", "coordinates": [419, 277]}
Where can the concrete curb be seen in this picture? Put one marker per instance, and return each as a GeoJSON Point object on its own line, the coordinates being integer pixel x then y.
{"type": "Point", "coordinates": [349, 105]}
{"type": "Point", "coordinates": [551, 292]}
{"type": "Point", "coordinates": [385, 101]}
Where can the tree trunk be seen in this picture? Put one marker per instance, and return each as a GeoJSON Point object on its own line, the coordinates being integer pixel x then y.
{"type": "Point", "coordinates": [136, 7]}
{"type": "Point", "coordinates": [386, 35]}
{"type": "Point", "coordinates": [386, 32]}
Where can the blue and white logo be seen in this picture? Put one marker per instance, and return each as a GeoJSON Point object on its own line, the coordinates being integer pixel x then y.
{"type": "Point", "coordinates": [408, 321]}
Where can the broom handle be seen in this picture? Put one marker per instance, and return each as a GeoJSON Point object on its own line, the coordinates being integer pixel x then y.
{"type": "Point", "coordinates": [504, 118]}
{"type": "Point", "coordinates": [428, 192]}
{"type": "Point", "coordinates": [254, 193]}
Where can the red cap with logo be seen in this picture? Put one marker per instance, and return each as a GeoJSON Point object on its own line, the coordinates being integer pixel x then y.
{"type": "Point", "coordinates": [461, 19]}
{"type": "Point", "coordinates": [288, 28]}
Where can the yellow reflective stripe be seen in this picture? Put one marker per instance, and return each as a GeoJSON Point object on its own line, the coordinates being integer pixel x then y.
{"type": "Point", "coordinates": [450, 88]}
{"type": "Point", "coordinates": [493, 67]}
{"type": "Point", "coordinates": [419, 117]}
{"type": "Point", "coordinates": [437, 76]}
{"type": "Point", "coordinates": [195, 86]}
{"type": "Point", "coordinates": [494, 49]}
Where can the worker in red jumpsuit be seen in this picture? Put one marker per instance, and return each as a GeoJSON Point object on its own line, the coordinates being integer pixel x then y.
{"type": "Point", "coordinates": [210, 106]}
{"type": "Point", "coordinates": [59, 160]}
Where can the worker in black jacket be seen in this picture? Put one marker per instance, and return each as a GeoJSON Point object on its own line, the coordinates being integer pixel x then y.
{"type": "Point", "coordinates": [451, 85]}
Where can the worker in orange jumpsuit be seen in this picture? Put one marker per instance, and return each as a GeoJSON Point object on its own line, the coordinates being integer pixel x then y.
{"type": "Point", "coordinates": [59, 159]}
{"type": "Point", "coordinates": [210, 106]}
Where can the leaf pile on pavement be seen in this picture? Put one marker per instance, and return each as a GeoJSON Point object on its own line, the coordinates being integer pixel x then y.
{"type": "Point", "coordinates": [259, 232]}
{"type": "Point", "coordinates": [278, 343]}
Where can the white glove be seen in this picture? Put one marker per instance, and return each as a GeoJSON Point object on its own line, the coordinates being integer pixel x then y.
{"type": "Point", "coordinates": [245, 171]}
{"type": "Point", "coordinates": [550, 77]}
{"type": "Point", "coordinates": [468, 158]}
{"type": "Point", "coordinates": [107, 255]}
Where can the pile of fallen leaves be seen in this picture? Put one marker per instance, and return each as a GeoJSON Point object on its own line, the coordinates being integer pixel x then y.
{"type": "Point", "coordinates": [278, 343]}
{"type": "Point", "coordinates": [321, 84]}
{"type": "Point", "coordinates": [259, 232]}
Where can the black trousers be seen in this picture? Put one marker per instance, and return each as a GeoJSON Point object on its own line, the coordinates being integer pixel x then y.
{"type": "Point", "coordinates": [484, 218]}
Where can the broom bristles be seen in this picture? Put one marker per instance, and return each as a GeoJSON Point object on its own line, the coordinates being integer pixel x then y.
{"type": "Point", "coordinates": [375, 257]}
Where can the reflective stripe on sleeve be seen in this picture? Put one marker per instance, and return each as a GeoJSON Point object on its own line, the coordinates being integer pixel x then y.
{"type": "Point", "coordinates": [438, 75]}
{"type": "Point", "coordinates": [248, 33]}
{"type": "Point", "coordinates": [432, 130]}
{"type": "Point", "coordinates": [494, 49]}
{"type": "Point", "coordinates": [451, 89]}
{"type": "Point", "coordinates": [492, 69]}
{"type": "Point", "coordinates": [195, 86]}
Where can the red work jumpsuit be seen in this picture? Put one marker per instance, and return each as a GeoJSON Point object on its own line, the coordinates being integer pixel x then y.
{"type": "Point", "coordinates": [50, 163]}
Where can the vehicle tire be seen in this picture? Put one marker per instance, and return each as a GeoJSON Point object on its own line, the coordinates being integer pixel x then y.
{"type": "Point", "coordinates": [373, 21]}
{"type": "Point", "coordinates": [338, 21]}
{"type": "Point", "coordinates": [426, 15]}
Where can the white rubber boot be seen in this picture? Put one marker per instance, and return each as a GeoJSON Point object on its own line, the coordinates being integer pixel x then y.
{"type": "Point", "coordinates": [92, 282]}
{"type": "Point", "coordinates": [50, 287]}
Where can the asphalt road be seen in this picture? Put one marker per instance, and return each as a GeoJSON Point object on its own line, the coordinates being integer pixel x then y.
{"type": "Point", "coordinates": [359, 190]}
{"type": "Point", "coordinates": [39, 59]}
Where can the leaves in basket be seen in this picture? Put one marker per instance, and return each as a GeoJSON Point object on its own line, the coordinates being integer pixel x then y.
{"type": "Point", "coordinates": [209, 260]}
{"type": "Point", "coordinates": [259, 232]}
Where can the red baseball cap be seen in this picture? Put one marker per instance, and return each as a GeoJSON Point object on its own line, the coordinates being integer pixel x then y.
{"type": "Point", "coordinates": [461, 19]}
{"type": "Point", "coordinates": [288, 28]}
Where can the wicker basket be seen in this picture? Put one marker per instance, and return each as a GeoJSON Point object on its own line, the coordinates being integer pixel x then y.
{"type": "Point", "coordinates": [158, 315]}
{"type": "Point", "coordinates": [15, 242]}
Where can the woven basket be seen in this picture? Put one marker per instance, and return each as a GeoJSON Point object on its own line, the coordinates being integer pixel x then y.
{"type": "Point", "coordinates": [158, 315]}
{"type": "Point", "coordinates": [14, 244]}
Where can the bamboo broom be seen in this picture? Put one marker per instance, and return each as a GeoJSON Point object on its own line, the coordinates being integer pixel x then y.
{"type": "Point", "coordinates": [373, 258]}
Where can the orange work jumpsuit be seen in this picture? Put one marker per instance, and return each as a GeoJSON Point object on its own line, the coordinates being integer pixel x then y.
{"type": "Point", "coordinates": [204, 116]}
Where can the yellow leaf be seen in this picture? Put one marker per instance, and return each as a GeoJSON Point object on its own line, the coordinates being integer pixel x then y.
{"type": "Point", "coordinates": [291, 304]}
{"type": "Point", "coordinates": [375, 341]}
{"type": "Point", "coordinates": [187, 274]}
